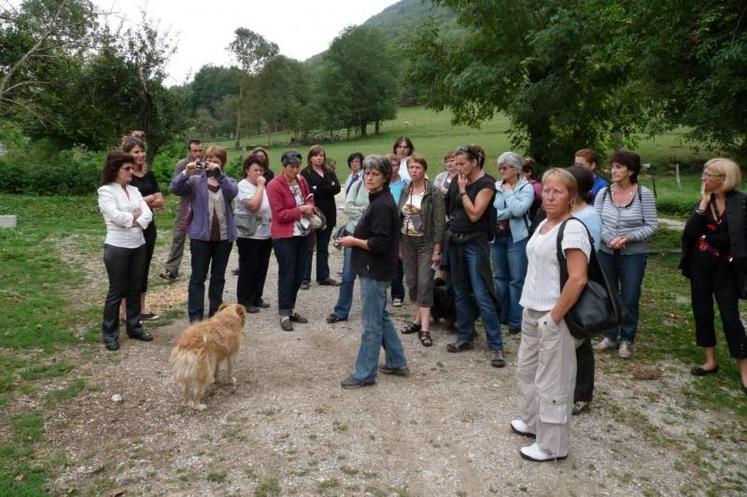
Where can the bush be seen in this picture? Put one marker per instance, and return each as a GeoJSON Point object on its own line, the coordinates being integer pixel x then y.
{"type": "Point", "coordinates": [39, 169]}
{"type": "Point", "coordinates": [674, 206]}
{"type": "Point", "coordinates": [35, 169]}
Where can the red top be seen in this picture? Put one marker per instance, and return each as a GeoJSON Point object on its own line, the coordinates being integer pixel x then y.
{"type": "Point", "coordinates": [285, 211]}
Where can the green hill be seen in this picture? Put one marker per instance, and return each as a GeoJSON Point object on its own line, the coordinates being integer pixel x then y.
{"type": "Point", "coordinates": [396, 21]}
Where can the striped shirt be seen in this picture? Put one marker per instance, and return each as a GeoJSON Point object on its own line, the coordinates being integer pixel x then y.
{"type": "Point", "coordinates": [637, 221]}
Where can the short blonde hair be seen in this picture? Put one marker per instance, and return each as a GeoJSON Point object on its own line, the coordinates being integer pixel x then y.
{"type": "Point", "coordinates": [565, 177]}
{"type": "Point", "coordinates": [729, 169]}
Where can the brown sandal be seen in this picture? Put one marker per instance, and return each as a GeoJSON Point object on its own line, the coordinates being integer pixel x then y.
{"type": "Point", "coordinates": [411, 328]}
{"type": "Point", "coordinates": [425, 338]}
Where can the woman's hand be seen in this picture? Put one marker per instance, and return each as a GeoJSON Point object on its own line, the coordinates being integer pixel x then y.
{"type": "Point", "coordinates": [306, 210]}
{"type": "Point", "coordinates": [135, 214]}
{"type": "Point", "coordinates": [190, 169]}
{"type": "Point", "coordinates": [347, 241]}
{"type": "Point", "coordinates": [705, 196]}
{"type": "Point", "coordinates": [462, 183]}
{"type": "Point", "coordinates": [261, 181]}
{"type": "Point", "coordinates": [618, 242]}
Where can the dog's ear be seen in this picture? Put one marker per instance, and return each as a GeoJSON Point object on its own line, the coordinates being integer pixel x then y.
{"type": "Point", "coordinates": [222, 306]}
{"type": "Point", "coordinates": [240, 310]}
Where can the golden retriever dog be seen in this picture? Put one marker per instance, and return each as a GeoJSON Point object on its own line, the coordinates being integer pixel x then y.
{"type": "Point", "coordinates": [202, 347]}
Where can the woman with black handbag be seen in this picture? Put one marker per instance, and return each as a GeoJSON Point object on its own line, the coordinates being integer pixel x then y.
{"type": "Point", "coordinates": [714, 247]}
{"type": "Point", "coordinates": [546, 367]}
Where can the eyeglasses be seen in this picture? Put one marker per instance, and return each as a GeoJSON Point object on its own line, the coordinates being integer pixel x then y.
{"type": "Point", "coordinates": [503, 168]}
{"type": "Point", "coordinates": [709, 175]}
{"type": "Point", "coordinates": [128, 168]}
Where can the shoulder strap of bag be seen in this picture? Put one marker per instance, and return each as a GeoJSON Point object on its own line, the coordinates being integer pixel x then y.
{"type": "Point", "coordinates": [593, 264]}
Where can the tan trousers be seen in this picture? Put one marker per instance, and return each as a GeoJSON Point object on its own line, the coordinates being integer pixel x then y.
{"type": "Point", "coordinates": [546, 374]}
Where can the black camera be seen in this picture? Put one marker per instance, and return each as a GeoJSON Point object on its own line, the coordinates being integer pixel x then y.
{"type": "Point", "coordinates": [203, 165]}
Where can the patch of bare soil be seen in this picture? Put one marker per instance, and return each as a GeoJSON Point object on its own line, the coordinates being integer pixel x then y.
{"type": "Point", "coordinates": [287, 428]}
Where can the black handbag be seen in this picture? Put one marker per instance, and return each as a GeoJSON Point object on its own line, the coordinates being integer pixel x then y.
{"type": "Point", "coordinates": [599, 307]}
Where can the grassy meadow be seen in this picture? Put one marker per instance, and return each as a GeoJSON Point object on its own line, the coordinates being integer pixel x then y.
{"type": "Point", "coordinates": [48, 308]}
{"type": "Point", "coordinates": [433, 134]}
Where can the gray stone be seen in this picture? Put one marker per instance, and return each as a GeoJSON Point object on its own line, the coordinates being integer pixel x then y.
{"type": "Point", "coordinates": [8, 221]}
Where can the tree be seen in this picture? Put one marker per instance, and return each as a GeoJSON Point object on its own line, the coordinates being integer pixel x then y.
{"type": "Point", "coordinates": [693, 59]}
{"type": "Point", "coordinates": [358, 80]}
{"type": "Point", "coordinates": [252, 51]}
{"type": "Point", "coordinates": [281, 92]}
{"type": "Point", "coordinates": [34, 40]}
{"type": "Point", "coordinates": [558, 69]}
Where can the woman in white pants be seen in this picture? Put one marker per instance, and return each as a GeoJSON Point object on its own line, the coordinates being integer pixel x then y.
{"type": "Point", "coordinates": [547, 356]}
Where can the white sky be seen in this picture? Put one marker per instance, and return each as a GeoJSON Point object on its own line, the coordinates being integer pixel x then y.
{"type": "Point", "coordinates": [203, 29]}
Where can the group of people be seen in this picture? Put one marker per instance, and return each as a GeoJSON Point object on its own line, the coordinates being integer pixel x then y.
{"type": "Point", "coordinates": [494, 241]}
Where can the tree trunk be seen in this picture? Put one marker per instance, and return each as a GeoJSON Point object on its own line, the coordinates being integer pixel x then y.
{"type": "Point", "coordinates": [377, 127]}
{"type": "Point", "coordinates": [364, 131]}
{"type": "Point", "coordinates": [237, 144]}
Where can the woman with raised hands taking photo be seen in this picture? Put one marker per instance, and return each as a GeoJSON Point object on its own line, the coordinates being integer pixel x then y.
{"type": "Point", "coordinates": [126, 215]}
{"type": "Point", "coordinates": [714, 247]}
{"type": "Point", "coordinates": [546, 369]}
{"type": "Point", "coordinates": [212, 230]}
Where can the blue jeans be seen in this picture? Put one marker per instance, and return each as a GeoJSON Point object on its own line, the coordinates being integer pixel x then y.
{"type": "Point", "coordinates": [212, 256]}
{"type": "Point", "coordinates": [320, 239]}
{"type": "Point", "coordinates": [475, 288]}
{"type": "Point", "coordinates": [626, 273]}
{"type": "Point", "coordinates": [378, 331]}
{"type": "Point", "coordinates": [509, 270]}
{"type": "Point", "coordinates": [345, 298]}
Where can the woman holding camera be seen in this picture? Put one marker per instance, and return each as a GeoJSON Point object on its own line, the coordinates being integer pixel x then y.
{"type": "Point", "coordinates": [126, 215]}
{"type": "Point", "coordinates": [292, 205]}
{"type": "Point", "coordinates": [145, 181]}
{"type": "Point", "coordinates": [211, 230]}
{"type": "Point", "coordinates": [422, 208]}
{"type": "Point", "coordinates": [252, 219]}
{"type": "Point", "coordinates": [714, 244]}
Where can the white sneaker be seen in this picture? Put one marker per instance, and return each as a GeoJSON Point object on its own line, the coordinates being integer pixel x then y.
{"type": "Point", "coordinates": [396, 302]}
{"type": "Point", "coordinates": [626, 350]}
{"type": "Point", "coordinates": [605, 344]}
{"type": "Point", "coordinates": [534, 453]}
{"type": "Point", "coordinates": [522, 428]}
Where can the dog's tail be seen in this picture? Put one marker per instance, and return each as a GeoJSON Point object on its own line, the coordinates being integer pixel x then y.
{"type": "Point", "coordinates": [187, 364]}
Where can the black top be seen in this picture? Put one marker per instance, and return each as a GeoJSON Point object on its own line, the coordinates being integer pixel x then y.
{"type": "Point", "coordinates": [379, 225]}
{"type": "Point", "coordinates": [147, 186]}
{"type": "Point", "coordinates": [324, 189]}
{"type": "Point", "coordinates": [460, 221]}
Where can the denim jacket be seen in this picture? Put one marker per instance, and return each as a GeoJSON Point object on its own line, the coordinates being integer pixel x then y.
{"type": "Point", "coordinates": [514, 207]}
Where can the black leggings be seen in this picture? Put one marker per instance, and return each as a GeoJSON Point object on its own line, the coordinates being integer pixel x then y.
{"type": "Point", "coordinates": [709, 278]}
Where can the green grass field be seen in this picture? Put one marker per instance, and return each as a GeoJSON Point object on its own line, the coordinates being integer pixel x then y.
{"type": "Point", "coordinates": [433, 135]}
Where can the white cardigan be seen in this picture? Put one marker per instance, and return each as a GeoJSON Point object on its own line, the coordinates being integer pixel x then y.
{"type": "Point", "coordinates": [116, 206]}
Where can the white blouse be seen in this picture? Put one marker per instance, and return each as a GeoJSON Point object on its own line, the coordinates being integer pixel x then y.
{"type": "Point", "coordinates": [248, 191]}
{"type": "Point", "coordinates": [542, 282]}
{"type": "Point", "coordinates": [116, 206]}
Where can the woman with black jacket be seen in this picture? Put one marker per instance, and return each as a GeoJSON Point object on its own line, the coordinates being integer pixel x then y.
{"type": "Point", "coordinates": [714, 247]}
{"type": "Point", "coordinates": [324, 185]}
{"type": "Point", "coordinates": [374, 259]}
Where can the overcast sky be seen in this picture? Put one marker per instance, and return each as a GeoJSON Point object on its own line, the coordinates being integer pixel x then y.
{"type": "Point", "coordinates": [203, 29]}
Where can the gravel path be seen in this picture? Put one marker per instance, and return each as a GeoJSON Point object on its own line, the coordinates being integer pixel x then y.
{"type": "Point", "coordinates": [288, 428]}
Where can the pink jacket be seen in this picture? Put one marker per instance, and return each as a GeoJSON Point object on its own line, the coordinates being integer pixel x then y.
{"type": "Point", "coordinates": [285, 212]}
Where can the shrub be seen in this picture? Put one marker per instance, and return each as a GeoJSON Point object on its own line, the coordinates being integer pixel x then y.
{"type": "Point", "coordinates": [674, 206]}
